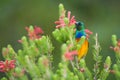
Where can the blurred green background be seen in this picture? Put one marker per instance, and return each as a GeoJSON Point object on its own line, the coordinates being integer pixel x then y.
{"type": "Point", "coordinates": [100, 16]}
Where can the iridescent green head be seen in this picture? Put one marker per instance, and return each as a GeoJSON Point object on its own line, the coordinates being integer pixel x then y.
{"type": "Point", "coordinates": [79, 26]}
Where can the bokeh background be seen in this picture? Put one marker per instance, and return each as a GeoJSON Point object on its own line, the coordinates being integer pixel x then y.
{"type": "Point", "coordinates": [100, 16]}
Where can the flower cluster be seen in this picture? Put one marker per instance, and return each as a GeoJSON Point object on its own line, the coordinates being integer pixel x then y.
{"type": "Point", "coordinates": [6, 66]}
{"type": "Point", "coordinates": [88, 33]}
{"type": "Point", "coordinates": [65, 21]}
{"type": "Point", "coordinates": [70, 55]}
{"type": "Point", "coordinates": [34, 33]}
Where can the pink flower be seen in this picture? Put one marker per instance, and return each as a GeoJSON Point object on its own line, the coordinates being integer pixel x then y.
{"type": "Point", "coordinates": [7, 65]}
{"type": "Point", "coordinates": [34, 34]}
{"type": "Point", "coordinates": [20, 41]}
{"type": "Point", "coordinates": [61, 22]}
{"type": "Point", "coordinates": [38, 30]}
{"type": "Point", "coordinates": [88, 33]}
{"type": "Point", "coordinates": [72, 20]}
{"type": "Point", "coordinates": [70, 55]}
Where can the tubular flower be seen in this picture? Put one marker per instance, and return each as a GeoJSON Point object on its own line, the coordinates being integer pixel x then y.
{"type": "Point", "coordinates": [72, 20]}
{"type": "Point", "coordinates": [7, 65]}
{"type": "Point", "coordinates": [61, 22]}
{"type": "Point", "coordinates": [70, 55]}
{"type": "Point", "coordinates": [88, 33]}
{"type": "Point", "coordinates": [35, 33]}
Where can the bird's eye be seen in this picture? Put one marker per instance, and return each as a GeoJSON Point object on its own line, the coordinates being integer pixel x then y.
{"type": "Point", "coordinates": [78, 25]}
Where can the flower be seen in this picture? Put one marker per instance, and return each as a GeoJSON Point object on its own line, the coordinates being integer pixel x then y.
{"type": "Point", "coordinates": [38, 30]}
{"type": "Point", "coordinates": [72, 20]}
{"type": "Point", "coordinates": [88, 33]}
{"type": "Point", "coordinates": [35, 33]}
{"type": "Point", "coordinates": [7, 65]}
{"type": "Point", "coordinates": [20, 41]}
{"type": "Point", "coordinates": [61, 22]}
{"type": "Point", "coordinates": [70, 55]}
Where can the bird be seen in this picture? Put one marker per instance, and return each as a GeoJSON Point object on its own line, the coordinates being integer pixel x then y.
{"type": "Point", "coordinates": [80, 31]}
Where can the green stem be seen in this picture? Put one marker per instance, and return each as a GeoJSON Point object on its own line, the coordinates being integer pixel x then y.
{"type": "Point", "coordinates": [97, 58]}
{"type": "Point", "coordinates": [72, 64]}
{"type": "Point", "coordinates": [77, 64]}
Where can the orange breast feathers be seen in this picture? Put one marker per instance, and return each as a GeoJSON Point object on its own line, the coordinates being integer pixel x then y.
{"type": "Point", "coordinates": [83, 49]}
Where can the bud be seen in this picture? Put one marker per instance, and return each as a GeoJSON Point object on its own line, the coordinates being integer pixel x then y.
{"type": "Point", "coordinates": [18, 70]}
{"type": "Point", "coordinates": [66, 20]}
{"type": "Point", "coordinates": [60, 65]}
{"type": "Point", "coordinates": [82, 63]}
{"type": "Point", "coordinates": [64, 48]}
{"type": "Point", "coordinates": [80, 74]}
{"type": "Point", "coordinates": [61, 10]}
{"type": "Point", "coordinates": [9, 53]}
{"type": "Point", "coordinates": [116, 71]}
{"type": "Point", "coordinates": [24, 42]}
{"type": "Point", "coordinates": [107, 62]}
{"type": "Point", "coordinates": [56, 33]}
{"type": "Point", "coordinates": [115, 67]}
{"type": "Point", "coordinates": [114, 40]}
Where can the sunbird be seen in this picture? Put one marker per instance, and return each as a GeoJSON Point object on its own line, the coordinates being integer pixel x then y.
{"type": "Point", "coordinates": [80, 31]}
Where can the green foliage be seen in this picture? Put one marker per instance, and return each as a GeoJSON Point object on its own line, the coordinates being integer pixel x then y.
{"type": "Point", "coordinates": [62, 34]}
{"type": "Point", "coordinates": [4, 78]}
{"type": "Point", "coordinates": [116, 48]}
{"type": "Point", "coordinates": [84, 69]}
{"type": "Point", "coordinates": [97, 58]}
{"type": "Point", "coordinates": [34, 60]}
{"type": "Point", "coordinates": [105, 72]}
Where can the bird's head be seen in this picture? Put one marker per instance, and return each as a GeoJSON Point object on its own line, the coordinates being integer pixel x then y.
{"type": "Point", "coordinates": [79, 26]}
